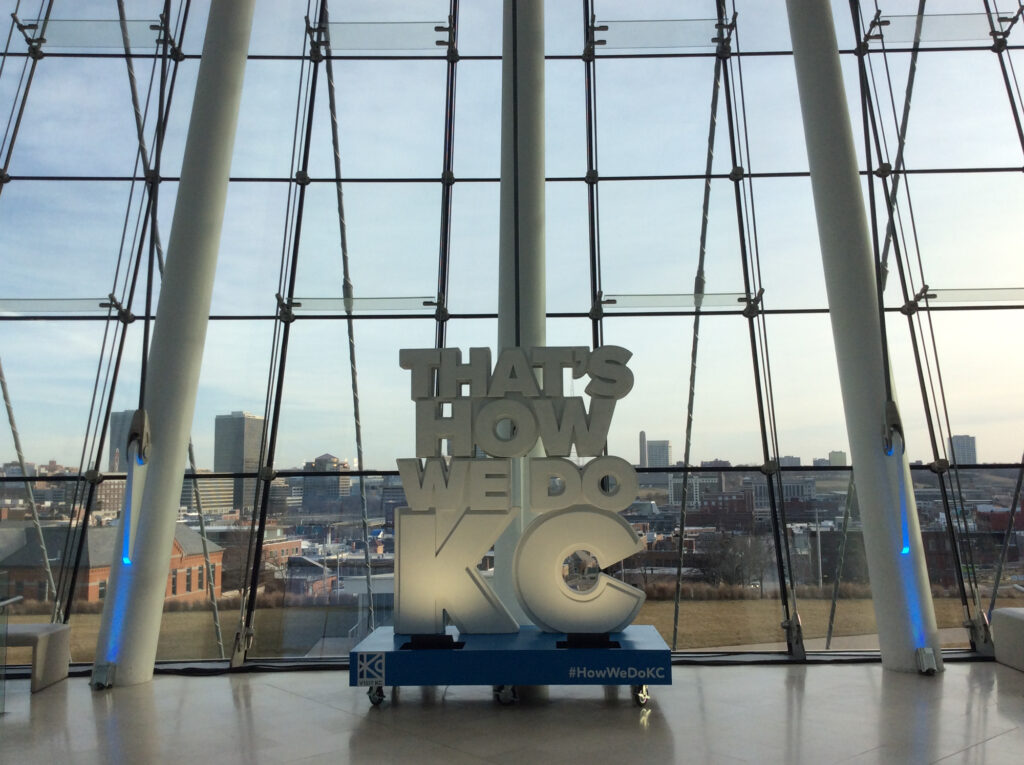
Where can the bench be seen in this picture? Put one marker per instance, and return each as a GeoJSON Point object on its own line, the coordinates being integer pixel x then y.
{"type": "Point", "coordinates": [1008, 636]}
{"type": "Point", "coordinates": [51, 650]}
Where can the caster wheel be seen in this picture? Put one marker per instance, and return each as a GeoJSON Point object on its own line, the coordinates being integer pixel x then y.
{"type": "Point", "coordinates": [641, 695]}
{"type": "Point", "coordinates": [506, 694]}
{"type": "Point", "coordinates": [376, 694]}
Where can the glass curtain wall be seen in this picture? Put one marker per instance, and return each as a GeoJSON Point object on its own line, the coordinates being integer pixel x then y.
{"type": "Point", "coordinates": [362, 218]}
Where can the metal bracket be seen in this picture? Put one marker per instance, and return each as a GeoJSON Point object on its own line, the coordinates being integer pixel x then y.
{"type": "Point", "coordinates": [286, 309]}
{"type": "Point", "coordinates": [591, 177]}
{"type": "Point", "coordinates": [939, 466]}
{"type": "Point", "coordinates": [448, 178]}
{"type": "Point", "coordinates": [440, 312]}
{"type": "Point", "coordinates": [981, 634]}
{"type": "Point", "coordinates": [752, 309]}
{"type": "Point", "coordinates": [124, 316]}
{"type": "Point", "coordinates": [724, 38]}
{"type": "Point", "coordinates": [924, 657]}
{"type": "Point", "coordinates": [139, 430]}
{"type": "Point", "coordinates": [316, 53]}
{"type": "Point", "coordinates": [301, 177]}
{"type": "Point", "coordinates": [35, 50]}
{"type": "Point", "coordinates": [592, 41]}
{"type": "Point", "coordinates": [102, 676]}
{"type": "Point", "coordinates": [737, 173]}
{"type": "Point", "coordinates": [267, 474]}
{"type": "Point", "coordinates": [795, 636]}
{"type": "Point", "coordinates": [453, 52]}
{"type": "Point", "coordinates": [911, 306]}
{"type": "Point", "coordinates": [771, 467]}
{"type": "Point", "coordinates": [4, 177]}
{"type": "Point", "coordinates": [884, 170]}
{"type": "Point", "coordinates": [152, 177]}
{"type": "Point", "coordinates": [876, 24]}
{"type": "Point", "coordinates": [891, 426]}
{"type": "Point", "coordinates": [596, 312]}
{"type": "Point", "coordinates": [165, 36]}
{"type": "Point", "coordinates": [95, 477]}
{"type": "Point", "coordinates": [243, 642]}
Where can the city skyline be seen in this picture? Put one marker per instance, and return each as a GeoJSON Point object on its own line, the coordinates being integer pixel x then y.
{"type": "Point", "coordinates": [652, 119]}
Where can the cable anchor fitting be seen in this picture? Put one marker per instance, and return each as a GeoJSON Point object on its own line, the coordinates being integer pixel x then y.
{"type": "Point", "coordinates": [4, 177]}
{"type": "Point", "coordinates": [441, 314]}
{"type": "Point", "coordinates": [286, 309]}
{"type": "Point", "coordinates": [302, 178]}
{"type": "Point", "coordinates": [166, 38]}
{"type": "Point", "coordinates": [752, 307]}
{"type": "Point", "coordinates": [94, 477]}
{"type": "Point", "coordinates": [35, 50]}
{"type": "Point", "coordinates": [871, 34]}
{"type": "Point", "coordinates": [316, 53]}
{"type": "Point", "coordinates": [914, 304]}
{"type": "Point", "coordinates": [124, 316]}
{"type": "Point", "coordinates": [267, 474]}
{"type": "Point", "coordinates": [737, 174]}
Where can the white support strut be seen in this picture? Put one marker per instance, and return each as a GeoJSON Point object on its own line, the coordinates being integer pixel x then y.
{"type": "Point", "coordinates": [901, 592]}
{"type": "Point", "coordinates": [521, 265]}
{"type": "Point", "coordinates": [130, 627]}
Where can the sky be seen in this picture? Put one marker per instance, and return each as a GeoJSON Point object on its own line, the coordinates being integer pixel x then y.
{"type": "Point", "coordinates": [61, 240]}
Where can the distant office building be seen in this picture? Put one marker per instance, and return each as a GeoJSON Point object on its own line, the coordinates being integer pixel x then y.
{"type": "Point", "coordinates": [236, 449]}
{"type": "Point", "coordinates": [216, 495]}
{"type": "Point", "coordinates": [698, 487]}
{"type": "Point", "coordinates": [654, 454]}
{"type": "Point", "coordinates": [324, 493]}
{"type": "Point", "coordinates": [120, 424]}
{"type": "Point", "coordinates": [659, 453]}
{"type": "Point", "coordinates": [963, 450]}
{"type": "Point", "coordinates": [837, 459]}
{"type": "Point", "coordinates": [13, 469]}
{"type": "Point", "coordinates": [715, 463]}
{"type": "Point", "coordinates": [821, 462]}
{"type": "Point", "coordinates": [789, 461]}
{"type": "Point", "coordinates": [793, 488]}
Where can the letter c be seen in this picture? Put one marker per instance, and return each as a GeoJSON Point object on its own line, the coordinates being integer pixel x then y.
{"type": "Point", "coordinates": [610, 605]}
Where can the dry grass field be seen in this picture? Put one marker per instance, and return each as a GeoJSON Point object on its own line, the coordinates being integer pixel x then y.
{"type": "Point", "coordinates": [189, 635]}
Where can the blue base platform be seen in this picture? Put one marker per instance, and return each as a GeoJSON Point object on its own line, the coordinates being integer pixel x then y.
{"type": "Point", "coordinates": [528, 657]}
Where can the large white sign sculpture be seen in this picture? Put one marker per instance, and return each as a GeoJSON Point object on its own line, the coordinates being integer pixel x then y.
{"type": "Point", "coordinates": [459, 507]}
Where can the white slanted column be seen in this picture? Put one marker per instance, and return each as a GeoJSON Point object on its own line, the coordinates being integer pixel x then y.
{"type": "Point", "coordinates": [521, 299]}
{"type": "Point", "coordinates": [126, 648]}
{"type": "Point", "coordinates": [892, 538]}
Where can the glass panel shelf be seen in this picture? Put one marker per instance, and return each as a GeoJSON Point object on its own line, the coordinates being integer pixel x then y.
{"type": "Point", "coordinates": [674, 301]}
{"type": "Point", "coordinates": [96, 33]}
{"type": "Point", "coordinates": [387, 35]}
{"type": "Point", "coordinates": [365, 305]}
{"type": "Point", "coordinates": [657, 33]}
{"type": "Point", "coordinates": [940, 27]}
{"type": "Point", "coordinates": [983, 295]}
{"type": "Point", "coordinates": [30, 306]}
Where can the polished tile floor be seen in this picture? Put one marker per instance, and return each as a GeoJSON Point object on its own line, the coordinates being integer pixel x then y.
{"type": "Point", "coordinates": [853, 713]}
